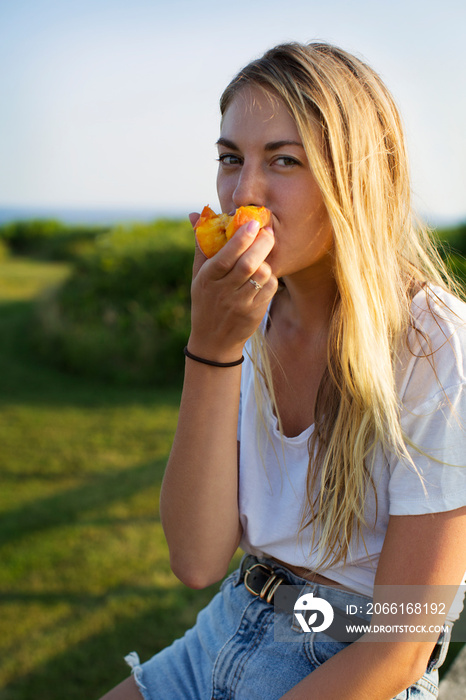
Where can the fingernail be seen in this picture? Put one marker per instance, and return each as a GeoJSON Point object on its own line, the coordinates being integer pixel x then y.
{"type": "Point", "coordinates": [253, 227]}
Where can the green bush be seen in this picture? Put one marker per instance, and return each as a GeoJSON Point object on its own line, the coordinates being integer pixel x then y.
{"type": "Point", "coordinates": [49, 239]}
{"type": "Point", "coordinates": [452, 248]}
{"type": "Point", "coordinates": [453, 239]}
{"type": "Point", "coordinates": [124, 314]}
{"type": "Point", "coordinates": [457, 265]}
{"type": "Point", "coordinates": [4, 250]}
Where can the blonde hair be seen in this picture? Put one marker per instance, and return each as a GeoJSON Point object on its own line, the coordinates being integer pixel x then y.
{"type": "Point", "coordinates": [353, 137]}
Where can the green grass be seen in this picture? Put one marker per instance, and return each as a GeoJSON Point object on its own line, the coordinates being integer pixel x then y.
{"type": "Point", "coordinates": [84, 573]}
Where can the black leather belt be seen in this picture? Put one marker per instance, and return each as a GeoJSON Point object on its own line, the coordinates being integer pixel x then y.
{"type": "Point", "coordinates": [263, 581]}
{"type": "Point", "coordinates": [260, 579]}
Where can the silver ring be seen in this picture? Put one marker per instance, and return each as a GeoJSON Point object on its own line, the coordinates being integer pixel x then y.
{"type": "Point", "coordinates": [256, 285]}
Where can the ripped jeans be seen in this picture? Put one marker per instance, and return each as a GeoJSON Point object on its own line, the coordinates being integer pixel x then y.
{"type": "Point", "coordinates": [232, 652]}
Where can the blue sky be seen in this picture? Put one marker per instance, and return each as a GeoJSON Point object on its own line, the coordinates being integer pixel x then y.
{"type": "Point", "coordinates": [115, 104]}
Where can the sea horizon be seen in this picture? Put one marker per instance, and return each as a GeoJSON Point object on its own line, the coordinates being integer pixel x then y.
{"type": "Point", "coordinates": [110, 216]}
{"type": "Point", "coordinates": [91, 215]}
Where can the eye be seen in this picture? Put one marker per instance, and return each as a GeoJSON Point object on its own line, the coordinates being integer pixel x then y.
{"type": "Point", "coordinates": [286, 161]}
{"type": "Point", "coordinates": [229, 159]}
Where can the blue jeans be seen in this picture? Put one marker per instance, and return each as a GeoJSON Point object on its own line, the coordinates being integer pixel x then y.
{"type": "Point", "coordinates": [232, 652]}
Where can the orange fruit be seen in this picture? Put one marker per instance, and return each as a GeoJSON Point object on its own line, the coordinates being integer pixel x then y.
{"type": "Point", "coordinates": [214, 230]}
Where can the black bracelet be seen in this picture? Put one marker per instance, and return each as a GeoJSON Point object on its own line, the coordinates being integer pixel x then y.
{"type": "Point", "coordinates": [212, 362]}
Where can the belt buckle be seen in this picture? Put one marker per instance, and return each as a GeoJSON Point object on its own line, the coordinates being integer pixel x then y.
{"type": "Point", "coordinates": [269, 588]}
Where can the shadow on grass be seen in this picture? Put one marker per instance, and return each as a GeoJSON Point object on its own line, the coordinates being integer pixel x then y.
{"type": "Point", "coordinates": [70, 506]}
{"type": "Point", "coordinates": [82, 670]}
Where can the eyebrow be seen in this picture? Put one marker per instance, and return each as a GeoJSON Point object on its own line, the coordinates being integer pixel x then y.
{"type": "Point", "coordinates": [271, 146]}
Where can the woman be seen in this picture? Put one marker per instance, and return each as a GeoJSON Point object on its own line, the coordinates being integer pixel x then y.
{"type": "Point", "coordinates": [343, 471]}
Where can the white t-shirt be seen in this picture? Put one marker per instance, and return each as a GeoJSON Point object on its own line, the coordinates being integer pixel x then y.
{"type": "Point", "coordinates": [433, 398]}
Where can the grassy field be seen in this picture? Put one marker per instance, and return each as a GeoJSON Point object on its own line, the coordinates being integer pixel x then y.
{"type": "Point", "coordinates": [84, 574]}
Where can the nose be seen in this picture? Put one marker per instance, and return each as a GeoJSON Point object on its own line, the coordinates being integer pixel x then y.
{"type": "Point", "coordinates": [250, 187]}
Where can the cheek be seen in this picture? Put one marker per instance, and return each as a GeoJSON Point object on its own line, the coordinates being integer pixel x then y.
{"type": "Point", "coordinates": [224, 193]}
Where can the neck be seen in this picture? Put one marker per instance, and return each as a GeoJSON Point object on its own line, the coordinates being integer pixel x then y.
{"type": "Point", "coordinates": [309, 298]}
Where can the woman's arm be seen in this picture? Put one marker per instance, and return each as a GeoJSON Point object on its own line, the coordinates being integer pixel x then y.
{"type": "Point", "coordinates": [419, 550]}
{"type": "Point", "coordinates": [199, 498]}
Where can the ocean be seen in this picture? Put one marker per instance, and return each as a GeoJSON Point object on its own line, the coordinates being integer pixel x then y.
{"type": "Point", "coordinates": [88, 216]}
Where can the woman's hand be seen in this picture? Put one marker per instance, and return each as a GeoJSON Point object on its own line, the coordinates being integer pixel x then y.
{"type": "Point", "coordinates": [226, 307]}
{"type": "Point", "coordinates": [199, 498]}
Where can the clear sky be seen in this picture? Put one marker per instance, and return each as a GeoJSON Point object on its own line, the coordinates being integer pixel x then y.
{"type": "Point", "coordinates": [114, 103]}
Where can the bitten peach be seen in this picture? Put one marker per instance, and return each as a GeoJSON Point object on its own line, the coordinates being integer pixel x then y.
{"type": "Point", "coordinates": [213, 231]}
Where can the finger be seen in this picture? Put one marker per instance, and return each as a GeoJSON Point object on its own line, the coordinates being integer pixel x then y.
{"type": "Point", "coordinates": [199, 259]}
{"type": "Point", "coordinates": [261, 276]}
{"type": "Point", "coordinates": [259, 280]}
{"type": "Point", "coordinates": [243, 253]}
{"type": "Point", "coordinates": [193, 218]}
{"type": "Point", "coordinates": [252, 262]}
{"type": "Point", "coordinates": [266, 291]}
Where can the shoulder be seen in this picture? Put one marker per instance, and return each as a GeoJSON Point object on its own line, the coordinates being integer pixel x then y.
{"type": "Point", "coordinates": [439, 315]}
{"type": "Point", "coordinates": [431, 371]}
{"type": "Point", "coordinates": [432, 360]}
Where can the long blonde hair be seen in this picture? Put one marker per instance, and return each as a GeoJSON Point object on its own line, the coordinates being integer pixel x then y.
{"type": "Point", "coordinates": [353, 137]}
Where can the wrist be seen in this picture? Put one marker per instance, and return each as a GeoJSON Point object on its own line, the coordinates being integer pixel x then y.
{"type": "Point", "coordinates": [214, 354]}
{"type": "Point", "coordinates": [212, 363]}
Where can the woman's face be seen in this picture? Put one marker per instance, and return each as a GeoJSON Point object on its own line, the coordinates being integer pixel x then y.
{"type": "Point", "coordinates": [262, 162]}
